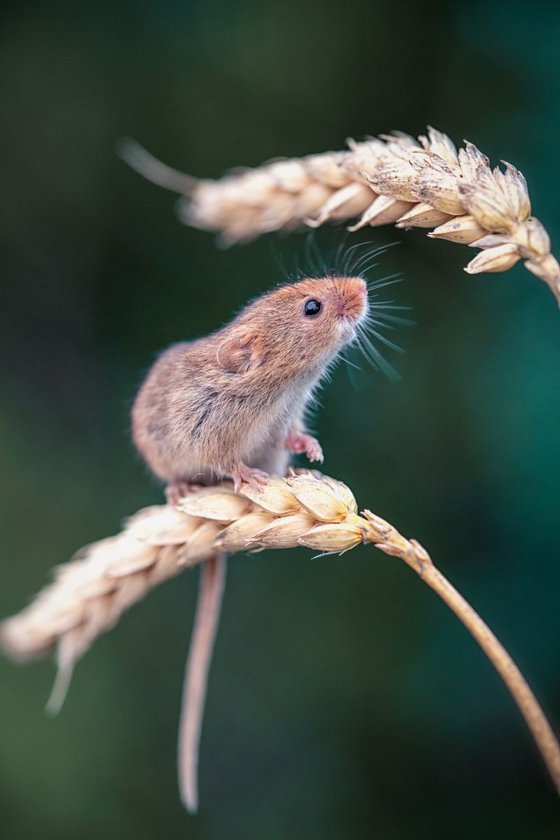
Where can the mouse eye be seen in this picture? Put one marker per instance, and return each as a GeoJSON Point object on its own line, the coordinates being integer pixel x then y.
{"type": "Point", "coordinates": [311, 308]}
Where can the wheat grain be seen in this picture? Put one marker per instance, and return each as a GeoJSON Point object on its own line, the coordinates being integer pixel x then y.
{"type": "Point", "coordinates": [425, 183]}
{"type": "Point", "coordinates": [89, 594]}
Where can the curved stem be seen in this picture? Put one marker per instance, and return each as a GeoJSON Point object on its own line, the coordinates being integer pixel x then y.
{"type": "Point", "coordinates": [519, 689]}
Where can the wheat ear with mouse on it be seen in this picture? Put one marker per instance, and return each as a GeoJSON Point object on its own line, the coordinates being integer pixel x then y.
{"type": "Point", "coordinates": [424, 183]}
{"type": "Point", "coordinates": [89, 594]}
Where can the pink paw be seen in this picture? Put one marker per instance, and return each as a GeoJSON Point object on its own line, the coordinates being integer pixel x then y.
{"type": "Point", "coordinates": [177, 490]}
{"type": "Point", "coordinates": [305, 471]}
{"type": "Point", "coordinates": [248, 475]}
{"type": "Point", "coordinates": [299, 442]}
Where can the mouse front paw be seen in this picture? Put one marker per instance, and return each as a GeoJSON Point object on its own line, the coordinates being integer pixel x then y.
{"type": "Point", "coordinates": [248, 475]}
{"type": "Point", "coordinates": [298, 442]}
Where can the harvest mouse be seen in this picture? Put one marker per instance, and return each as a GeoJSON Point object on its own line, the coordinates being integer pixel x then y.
{"type": "Point", "coordinates": [232, 405]}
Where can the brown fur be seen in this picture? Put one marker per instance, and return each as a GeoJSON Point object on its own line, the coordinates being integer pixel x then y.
{"type": "Point", "coordinates": [232, 404]}
{"type": "Point", "coordinates": [214, 407]}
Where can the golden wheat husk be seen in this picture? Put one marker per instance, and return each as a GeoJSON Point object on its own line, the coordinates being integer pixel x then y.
{"type": "Point", "coordinates": [394, 179]}
{"type": "Point", "coordinates": [89, 594]}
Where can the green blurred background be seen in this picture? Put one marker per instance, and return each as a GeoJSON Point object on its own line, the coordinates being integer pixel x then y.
{"type": "Point", "coordinates": [345, 700]}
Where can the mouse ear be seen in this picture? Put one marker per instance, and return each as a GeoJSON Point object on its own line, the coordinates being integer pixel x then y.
{"type": "Point", "coordinates": [237, 354]}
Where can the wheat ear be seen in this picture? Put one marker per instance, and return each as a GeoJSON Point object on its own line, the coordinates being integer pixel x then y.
{"type": "Point", "coordinates": [424, 183]}
{"type": "Point", "coordinates": [89, 594]}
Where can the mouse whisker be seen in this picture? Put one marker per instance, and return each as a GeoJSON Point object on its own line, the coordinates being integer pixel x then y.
{"type": "Point", "coordinates": [371, 331]}
{"type": "Point", "coordinates": [386, 318]}
{"type": "Point", "coordinates": [349, 363]}
{"type": "Point", "coordinates": [387, 280]}
{"type": "Point", "coordinates": [364, 264]}
{"type": "Point", "coordinates": [340, 252]}
{"type": "Point", "coordinates": [377, 322]}
{"type": "Point", "coordinates": [383, 309]}
{"type": "Point", "coordinates": [374, 252]}
{"type": "Point", "coordinates": [353, 257]}
{"type": "Point", "coordinates": [383, 305]}
{"type": "Point", "coordinates": [376, 359]}
{"type": "Point", "coordinates": [314, 256]}
{"type": "Point", "coordinates": [361, 261]}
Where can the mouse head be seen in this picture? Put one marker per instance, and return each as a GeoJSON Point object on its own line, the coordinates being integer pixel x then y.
{"type": "Point", "coordinates": [296, 326]}
{"type": "Point", "coordinates": [324, 310]}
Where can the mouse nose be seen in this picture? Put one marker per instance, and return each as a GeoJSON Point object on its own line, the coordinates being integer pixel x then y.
{"type": "Point", "coordinates": [359, 286]}
{"type": "Point", "coordinates": [353, 302]}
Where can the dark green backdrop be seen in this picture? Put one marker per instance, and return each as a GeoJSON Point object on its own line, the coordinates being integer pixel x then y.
{"type": "Point", "coordinates": [345, 700]}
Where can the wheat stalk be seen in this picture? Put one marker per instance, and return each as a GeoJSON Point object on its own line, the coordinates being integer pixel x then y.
{"type": "Point", "coordinates": [90, 593]}
{"type": "Point", "coordinates": [422, 183]}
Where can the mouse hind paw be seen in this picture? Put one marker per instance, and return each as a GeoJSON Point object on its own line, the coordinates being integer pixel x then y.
{"type": "Point", "coordinates": [248, 475]}
{"type": "Point", "coordinates": [177, 490]}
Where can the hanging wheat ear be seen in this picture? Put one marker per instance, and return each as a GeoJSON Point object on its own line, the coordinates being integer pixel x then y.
{"type": "Point", "coordinates": [90, 593]}
{"type": "Point", "coordinates": [395, 179]}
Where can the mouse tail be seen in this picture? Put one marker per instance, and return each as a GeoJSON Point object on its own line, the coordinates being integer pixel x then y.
{"type": "Point", "coordinates": [212, 579]}
{"type": "Point", "coordinates": [154, 170]}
